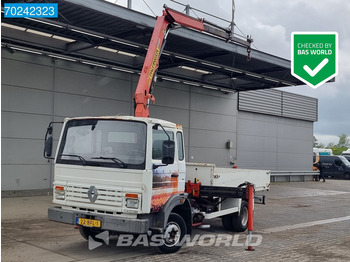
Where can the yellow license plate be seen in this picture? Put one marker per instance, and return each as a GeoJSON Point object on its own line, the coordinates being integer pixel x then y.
{"type": "Point", "coordinates": [88, 222]}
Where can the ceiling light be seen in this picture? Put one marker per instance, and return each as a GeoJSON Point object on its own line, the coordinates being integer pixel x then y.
{"type": "Point", "coordinates": [194, 69]}
{"type": "Point", "coordinates": [288, 84]}
{"type": "Point", "coordinates": [93, 64]}
{"type": "Point", "coordinates": [210, 87]}
{"type": "Point", "coordinates": [187, 68]}
{"type": "Point", "coordinates": [26, 50]}
{"type": "Point", "coordinates": [272, 80]}
{"type": "Point", "coordinates": [107, 49]}
{"type": "Point", "coordinates": [185, 58]}
{"type": "Point", "coordinates": [62, 38]}
{"type": "Point", "coordinates": [126, 53]}
{"type": "Point", "coordinates": [171, 80]}
{"type": "Point", "coordinates": [253, 75]}
{"type": "Point", "coordinates": [233, 70]}
{"type": "Point", "coordinates": [63, 57]}
{"type": "Point", "coordinates": [202, 71]}
{"type": "Point", "coordinates": [13, 26]}
{"type": "Point", "coordinates": [190, 83]}
{"type": "Point", "coordinates": [38, 32]}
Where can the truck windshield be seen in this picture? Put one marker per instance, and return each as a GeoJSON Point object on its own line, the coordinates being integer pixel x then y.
{"type": "Point", "coordinates": [344, 160]}
{"type": "Point", "coordinates": [102, 142]}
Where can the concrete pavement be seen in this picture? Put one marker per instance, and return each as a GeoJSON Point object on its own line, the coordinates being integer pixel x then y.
{"type": "Point", "coordinates": [302, 221]}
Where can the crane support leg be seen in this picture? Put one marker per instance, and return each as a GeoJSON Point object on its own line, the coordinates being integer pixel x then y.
{"type": "Point", "coordinates": [250, 193]}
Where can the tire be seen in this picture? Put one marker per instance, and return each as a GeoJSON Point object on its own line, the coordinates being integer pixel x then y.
{"type": "Point", "coordinates": [174, 232]}
{"type": "Point", "coordinates": [240, 221]}
{"type": "Point", "coordinates": [227, 222]}
{"type": "Point", "coordinates": [85, 232]}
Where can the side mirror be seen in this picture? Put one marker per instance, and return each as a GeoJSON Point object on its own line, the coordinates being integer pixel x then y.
{"type": "Point", "coordinates": [48, 147]}
{"type": "Point", "coordinates": [168, 152]}
{"type": "Point", "coordinates": [48, 142]}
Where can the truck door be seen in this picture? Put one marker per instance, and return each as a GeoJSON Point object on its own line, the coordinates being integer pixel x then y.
{"type": "Point", "coordinates": [181, 159]}
{"type": "Point", "coordinates": [165, 177]}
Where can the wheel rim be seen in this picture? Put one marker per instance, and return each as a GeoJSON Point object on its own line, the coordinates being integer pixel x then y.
{"type": "Point", "coordinates": [244, 216]}
{"type": "Point", "coordinates": [172, 234]}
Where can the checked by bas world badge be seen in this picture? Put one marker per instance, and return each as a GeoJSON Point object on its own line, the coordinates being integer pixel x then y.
{"type": "Point", "coordinates": [314, 57]}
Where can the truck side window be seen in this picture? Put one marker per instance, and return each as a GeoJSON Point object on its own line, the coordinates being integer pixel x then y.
{"type": "Point", "coordinates": [337, 162]}
{"type": "Point", "coordinates": [158, 137]}
{"type": "Point", "coordinates": [180, 145]}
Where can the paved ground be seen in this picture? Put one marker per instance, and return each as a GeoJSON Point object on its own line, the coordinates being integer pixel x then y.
{"type": "Point", "coordinates": [302, 221]}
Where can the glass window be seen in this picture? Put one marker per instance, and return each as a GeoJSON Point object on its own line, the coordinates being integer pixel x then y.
{"type": "Point", "coordinates": [337, 162]}
{"type": "Point", "coordinates": [344, 160]}
{"type": "Point", "coordinates": [158, 137]}
{"type": "Point", "coordinates": [100, 142]}
{"type": "Point", "coordinates": [180, 145]}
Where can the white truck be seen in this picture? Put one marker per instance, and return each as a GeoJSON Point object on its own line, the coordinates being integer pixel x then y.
{"type": "Point", "coordinates": [128, 174]}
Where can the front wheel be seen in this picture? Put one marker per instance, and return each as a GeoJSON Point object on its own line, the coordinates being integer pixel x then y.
{"type": "Point", "coordinates": [85, 232]}
{"type": "Point", "coordinates": [174, 232]}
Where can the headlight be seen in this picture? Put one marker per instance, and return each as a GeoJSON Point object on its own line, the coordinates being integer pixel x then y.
{"type": "Point", "coordinates": [132, 203]}
{"type": "Point", "coordinates": [60, 193]}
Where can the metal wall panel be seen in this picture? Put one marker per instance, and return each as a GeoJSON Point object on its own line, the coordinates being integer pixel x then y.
{"type": "Point", "coordinates": [299, 107]}
{"type": "Point", "coordinates": [261, 101]}
{"type": "Point", "coordinates": [276, 143]}
{"type": "Point", "coordinates": [92, 85]}
{"type": "Point", "coordinates": [279, 103]}
{"type": "Point", "coordinates": [25, 177]}
{"type": "Point", "coordinates": [32, 101]}
{"type": "Point", "coordinates": [23, 125]}
{"type": "Point", "coordinates": [67, 105]}
{"type": "Point", "coordinates": [21, 72]}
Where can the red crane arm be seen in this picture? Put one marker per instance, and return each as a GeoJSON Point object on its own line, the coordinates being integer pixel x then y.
{"type": "Point", "coordinates": [163, 24]}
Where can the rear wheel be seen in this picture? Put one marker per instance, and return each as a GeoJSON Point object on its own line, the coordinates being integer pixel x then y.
{"type": "Point", "coordinates": [174, 232]}
{"type": "Point", "coordinates": [227, 222]}
{"type": "Point", "coordinates": [240, 221]}
{"type": "Point", "coordinates": [236, 222]}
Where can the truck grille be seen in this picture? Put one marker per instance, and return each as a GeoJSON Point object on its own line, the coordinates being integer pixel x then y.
{"type": "Point", "coordinates": [108, 199]}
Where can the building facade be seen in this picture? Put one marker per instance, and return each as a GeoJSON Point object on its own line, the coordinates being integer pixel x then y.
{"type": "Point", "coordinates": [267, 129]}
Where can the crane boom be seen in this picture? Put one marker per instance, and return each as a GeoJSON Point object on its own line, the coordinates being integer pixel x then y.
{"type": "Point", "coordinates": [162, 27]}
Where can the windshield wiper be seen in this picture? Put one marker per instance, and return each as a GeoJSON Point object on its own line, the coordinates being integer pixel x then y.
{"type": "Point", "coordinates": [114, 159]}
{"type": "Point", "coordinates": [80, 158]}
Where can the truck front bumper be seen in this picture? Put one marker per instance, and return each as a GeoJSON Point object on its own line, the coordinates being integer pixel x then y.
{"type": "Point", "coordinates": [108, 222]}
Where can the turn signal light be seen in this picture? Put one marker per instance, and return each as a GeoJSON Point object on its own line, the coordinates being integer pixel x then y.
{"type": "Point", "coordinates": [131, 195]}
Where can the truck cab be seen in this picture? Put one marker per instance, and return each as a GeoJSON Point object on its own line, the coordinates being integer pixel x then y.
{"type": "Point", "coordinates": [116, 173]}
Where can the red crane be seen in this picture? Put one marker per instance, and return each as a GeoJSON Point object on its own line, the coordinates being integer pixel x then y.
{"type": "Point", "coordinates": [162, 27]}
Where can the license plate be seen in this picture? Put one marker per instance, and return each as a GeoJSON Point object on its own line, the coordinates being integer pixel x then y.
{"type": "Point", "coordinates": [88, 222]}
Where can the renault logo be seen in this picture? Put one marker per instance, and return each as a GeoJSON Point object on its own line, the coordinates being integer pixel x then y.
{"type": "Point", "coordinates": [92, 194]}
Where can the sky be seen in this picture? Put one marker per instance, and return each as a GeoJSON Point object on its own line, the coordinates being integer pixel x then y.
{"type": "Point", "coordinates": [271, 22]}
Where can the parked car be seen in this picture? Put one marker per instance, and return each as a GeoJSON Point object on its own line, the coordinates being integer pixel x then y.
{"type": "Point", "coordinates": [335, 166]}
